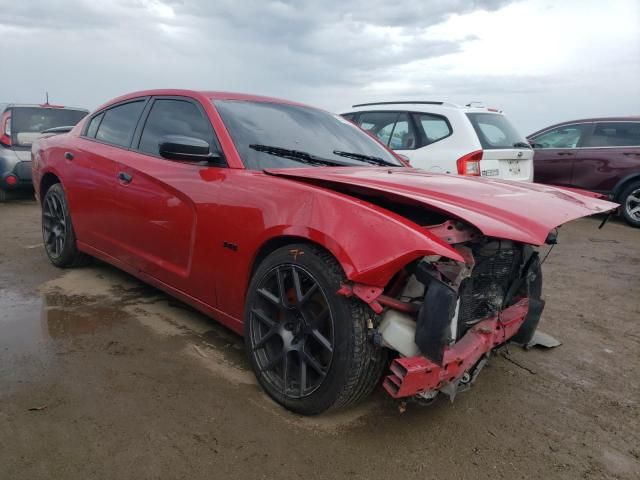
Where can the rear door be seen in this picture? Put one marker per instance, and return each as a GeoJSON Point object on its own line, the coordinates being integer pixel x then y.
{"type": "Point", "coordinates": [609, 153]}
{"type": "Point", "coordinates": [555, 152]}
{"type": "Point", "coordinates": [157, 198]}
{"type": "Point", "coordinates": [436, 149]}
{"type": "Point", "coordinates": [90, 177]}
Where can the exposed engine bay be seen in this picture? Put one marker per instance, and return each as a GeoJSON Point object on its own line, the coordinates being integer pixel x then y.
{"type": "Point", "coordinates": [444, 318]}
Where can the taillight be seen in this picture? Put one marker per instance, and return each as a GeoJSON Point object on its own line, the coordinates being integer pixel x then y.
{"type": "Point", "coordinates": [5, 129]}
{"type": "Point", "coordinates": [470, 164]}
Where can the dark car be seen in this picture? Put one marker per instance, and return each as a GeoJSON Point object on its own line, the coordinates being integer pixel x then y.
{"type": "Point", "coordinates": [295, 227]}
{"type": "Point", "coordinates": [597, 154]}
{"type": "Point", "coordinates": [19, 126]}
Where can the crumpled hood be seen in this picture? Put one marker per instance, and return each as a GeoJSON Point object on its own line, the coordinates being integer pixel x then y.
{"type": "Point", "coordinates": [522, 212]}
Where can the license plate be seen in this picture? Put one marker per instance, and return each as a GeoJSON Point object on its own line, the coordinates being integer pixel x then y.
{"type": "Point", "coordinates": [514, 166]}
{"type": "Point", "coordinates": [494, 172]}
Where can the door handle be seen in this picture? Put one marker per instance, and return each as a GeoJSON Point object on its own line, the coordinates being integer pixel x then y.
{"type": "Point", "coordinates": [631, 153]}
{"type": "Point", "coordinates": [565, 153]}
{"type": "Point", "coordinates": [124, 177]}
{"type": "Point", "coordinates": [68, 155]}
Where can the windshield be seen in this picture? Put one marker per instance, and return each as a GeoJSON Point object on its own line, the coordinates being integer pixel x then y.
{"type": "Point", "coordinates": [276, 135]}
{"type": "Point", "coordinates": [494, 131]}
{"type": "Point", "coordinates": [28, 122]}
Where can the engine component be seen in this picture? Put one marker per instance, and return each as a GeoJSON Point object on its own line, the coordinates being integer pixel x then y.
{"type": "Point", "coordinates": [398, 332]}
{"type": "Point", "coordinates": [483, 292]}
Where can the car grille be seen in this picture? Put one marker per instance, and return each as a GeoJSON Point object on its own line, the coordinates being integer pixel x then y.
{"type": "Point", "coordinates": [482, 294]}
{"type": "Point", "coordinates": [23, 170]}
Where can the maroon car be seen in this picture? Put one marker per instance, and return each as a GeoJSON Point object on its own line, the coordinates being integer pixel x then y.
{"type": "Point", "coordinates": [597, 154]}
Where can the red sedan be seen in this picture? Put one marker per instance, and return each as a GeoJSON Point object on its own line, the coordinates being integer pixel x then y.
{"type": "Point", "coordinates": [298, 230]}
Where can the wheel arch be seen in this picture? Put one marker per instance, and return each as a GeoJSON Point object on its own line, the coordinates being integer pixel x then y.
{"type": "Point", "coordinates": [46, 182]}
{"type": "Point", "coordinates": [282, 240]}
{"type": "Point", "coordinates": [623, 183]}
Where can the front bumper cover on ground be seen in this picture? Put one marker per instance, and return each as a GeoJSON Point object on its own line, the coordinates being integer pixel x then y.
{"type": "Point", "coordinates": [411, 376]}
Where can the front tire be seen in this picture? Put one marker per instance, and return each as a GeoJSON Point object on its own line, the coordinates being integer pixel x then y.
{"type": "Point", "coordinates": [630, 204]}
{"type": "Point", "coordinates": [57, 230]}
{"type": "Point", "coordinates": [308, 346]}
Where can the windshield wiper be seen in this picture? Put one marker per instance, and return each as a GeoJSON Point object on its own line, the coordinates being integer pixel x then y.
{"type": "Point", "coordinates": [521, 145]}
{"type": "Point", "coordinates": [297, 155]}
{"type": "Point", "coordinates": [366, 158]}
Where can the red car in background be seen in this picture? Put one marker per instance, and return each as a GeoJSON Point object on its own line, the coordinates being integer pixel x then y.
{"type": "Point", "coordinates": [597, 154]}
{"type": "Point", "coordinates": [295, 228]}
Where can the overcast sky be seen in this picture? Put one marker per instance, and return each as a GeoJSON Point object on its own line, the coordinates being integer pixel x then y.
{"type": "Point", "coordinates": [541, 61]}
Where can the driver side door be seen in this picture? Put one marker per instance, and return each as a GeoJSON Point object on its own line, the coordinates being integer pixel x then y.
{"type": "Point", "coordinates": [159, 200]}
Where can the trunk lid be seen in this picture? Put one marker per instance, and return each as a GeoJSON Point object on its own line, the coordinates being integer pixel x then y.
{"type": "Point", "coordinates": [508, 164]}
{"type": "Point", "coordinates": [523, 212]}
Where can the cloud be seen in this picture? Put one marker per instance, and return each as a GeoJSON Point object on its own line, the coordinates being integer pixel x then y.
{"type": "Point", "coordinates": [332, 54]}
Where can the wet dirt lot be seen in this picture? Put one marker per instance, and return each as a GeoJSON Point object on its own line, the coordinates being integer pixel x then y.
{"type": "Point", "coordinates": [104, 377]}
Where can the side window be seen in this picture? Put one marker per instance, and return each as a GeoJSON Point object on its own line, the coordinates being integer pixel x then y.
{"type": "Point", "coordinates": [379, 123]}
{"type": "Point", "coordinates": [402, 137]}
{"type": "Point", "coordinates": [349, 116]}
{"type": "Point", "coordinates": [615, 134]}
{"type": "Point", "coordinates": [433, 127]}
{"type": "Point", "coordinates": [119, 122]}
{"type": "Point", "coordinates": [392, 128]}
{"type": "Point", "coordinates": [568, 136]}
{"type": "Point", "coordinates": [173, 117]}
{"type": "Point", "coordinates": [93, 126]}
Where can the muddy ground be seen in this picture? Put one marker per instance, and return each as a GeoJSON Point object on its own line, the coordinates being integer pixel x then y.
{"type": "Point", "coordinates": [104, 377]}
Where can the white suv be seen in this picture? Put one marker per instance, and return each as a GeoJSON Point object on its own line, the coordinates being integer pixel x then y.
{"type": "Point", "coordinates": [447, 138]}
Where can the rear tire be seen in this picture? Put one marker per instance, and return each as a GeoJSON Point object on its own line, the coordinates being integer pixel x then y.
{"type": "Point", "coordinates": [3, 196]}
{"type": "Point", "coordinates": [630, 204]}
{"type": "Point", "coordinates": [57, 230]}
{"type": "Point", "coordinates": [310, 351]}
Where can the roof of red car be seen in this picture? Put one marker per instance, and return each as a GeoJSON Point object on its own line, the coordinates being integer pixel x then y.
{"type": "Point", "coordinates": [214, 95]}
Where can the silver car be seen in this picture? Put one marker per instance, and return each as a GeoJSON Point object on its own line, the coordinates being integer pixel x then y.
{"type": "Point", "coordinates": [19, 126]}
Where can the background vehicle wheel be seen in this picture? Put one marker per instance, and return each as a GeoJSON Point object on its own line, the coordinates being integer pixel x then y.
{"type": "Point", "coordinates": [57, 230]}
{"type": "Point", "coordinates": [3, 196]}
{"type": "Point", "coordinates": [630, 204]}
{"type": "Point", "coordinates": [308, 346]}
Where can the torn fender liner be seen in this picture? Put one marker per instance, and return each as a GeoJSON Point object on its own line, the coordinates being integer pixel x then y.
{"type": "Point", "coordinates": [528, 328]}
{"type": "Point", "coordinates": [433, 328]}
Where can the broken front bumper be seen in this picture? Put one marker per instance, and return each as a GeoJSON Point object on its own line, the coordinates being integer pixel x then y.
{"type": "Point", "coordinates": [418, 375]}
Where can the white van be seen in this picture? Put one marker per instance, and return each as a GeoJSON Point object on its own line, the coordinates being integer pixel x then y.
{"type": "Point", "coordinates": [447, 138]}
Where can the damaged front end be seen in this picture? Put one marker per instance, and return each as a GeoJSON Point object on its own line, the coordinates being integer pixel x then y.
{"type": "Point", "coordinates": [444, 318]}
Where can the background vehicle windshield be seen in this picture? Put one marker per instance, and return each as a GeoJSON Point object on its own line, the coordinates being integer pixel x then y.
{"type": "Point", "coordinates": [294, 127]}
{"type": "Point", "coordinates": [494, 131]}
{"type": "Point", "coordinates": [28, 122]}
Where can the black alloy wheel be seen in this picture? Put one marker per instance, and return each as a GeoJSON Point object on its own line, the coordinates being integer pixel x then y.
{"type": "Point", "coordinates": [292, 331]}
{"type": "Point", "coordinates": [309, 347]}
{"type": "Point", "coordinates": [57, 230]}
{"type": "Point", "coordinates": [54, 224]}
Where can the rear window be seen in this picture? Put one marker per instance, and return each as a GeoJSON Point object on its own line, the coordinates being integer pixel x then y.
{"type": "Point", "coordinates": [494, 131]}
{"type": "Point", "coordinates": [28, 122]}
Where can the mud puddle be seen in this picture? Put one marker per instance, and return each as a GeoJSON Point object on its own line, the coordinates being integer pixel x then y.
{"type": "Point", "coordinates": [70, 311]}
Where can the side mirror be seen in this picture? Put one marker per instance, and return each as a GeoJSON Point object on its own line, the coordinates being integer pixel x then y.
{"type": "Point", "coordinates": [179, 147]}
